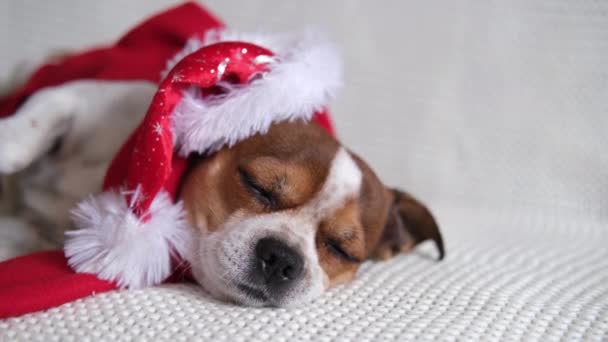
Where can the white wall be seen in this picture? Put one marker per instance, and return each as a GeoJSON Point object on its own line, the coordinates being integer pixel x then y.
{"type": "Point", "coordinates": [497, 103]}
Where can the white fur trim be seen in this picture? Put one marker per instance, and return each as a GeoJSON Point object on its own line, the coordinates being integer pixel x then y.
{"type": "Point", "coordinates": [116, 245]}
{"type": "Point", "coordinates": [302, 78]}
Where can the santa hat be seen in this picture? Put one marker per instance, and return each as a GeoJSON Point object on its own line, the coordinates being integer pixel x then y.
{"type": "Point", "coordinates": [215, 93]}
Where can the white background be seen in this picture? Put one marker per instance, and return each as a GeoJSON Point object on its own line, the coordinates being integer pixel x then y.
{"type": "Point", "coordinates": [484, 102]}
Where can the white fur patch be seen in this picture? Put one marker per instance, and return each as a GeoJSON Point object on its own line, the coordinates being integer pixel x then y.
{"type": "Point", "coordinates": [220, 260]}
{"type": "Point", "coordinates": [115, 244]}
{"type": "Point", "coordinates": [342, 182]}
{"type": "Point", "coordinates": [303, 77]}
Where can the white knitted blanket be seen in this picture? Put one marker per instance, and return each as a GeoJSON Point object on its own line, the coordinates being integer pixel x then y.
{"type": "Point", "coordinates": [507, 277]}
{"type": "Point", "coordinates": [493, 112]}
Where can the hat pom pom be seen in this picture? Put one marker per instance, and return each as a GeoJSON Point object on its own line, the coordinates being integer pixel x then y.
{"type": "Point", "coordinates": [116, 245]}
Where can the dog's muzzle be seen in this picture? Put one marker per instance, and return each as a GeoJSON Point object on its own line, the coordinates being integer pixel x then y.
{"type": "Point", "coordinates": [275, 268]}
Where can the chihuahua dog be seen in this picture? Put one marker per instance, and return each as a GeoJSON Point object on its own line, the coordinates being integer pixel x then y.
{"type": "Point", "coordinates": [282, 216]}
{"type": "Point", "coordinates": [275, 219]}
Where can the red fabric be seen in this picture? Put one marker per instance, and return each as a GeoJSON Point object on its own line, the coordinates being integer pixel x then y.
{"type": "Point", "coordinates": [43, 280]}
{"type": "Point", "coordinates": [148, 161]}
{"type": "Point", "coordinates": [145, 162]}
{"type": "Point", "coordinates": [324, 119]}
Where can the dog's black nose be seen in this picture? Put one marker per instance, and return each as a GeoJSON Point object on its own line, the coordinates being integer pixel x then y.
{"type": "Point", "coordinates": [278, 264]}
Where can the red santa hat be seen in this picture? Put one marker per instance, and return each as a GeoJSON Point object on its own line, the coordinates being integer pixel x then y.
{"type": "Point", "coordinates": [215, 93]}
{"type": "Point", "coordinates": [137, 214]}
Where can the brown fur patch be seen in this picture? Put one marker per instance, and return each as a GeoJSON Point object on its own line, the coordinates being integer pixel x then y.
{"type": "Point", "coordinates": [374, 201]}
{"type": "Point", "coordinates": [284, 160]}
{"type": "Point", "coordinates": [344, 229]}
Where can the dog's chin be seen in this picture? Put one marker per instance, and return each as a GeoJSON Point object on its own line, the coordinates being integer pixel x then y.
{"type": "Point", "coordinates": [240, 293]}
{"type": "Point", "coordinates": [247, 294]}
{"type": "Point", "coordinates": [217, 279]}
{"type": "Point", "coordinates": [219, 282]}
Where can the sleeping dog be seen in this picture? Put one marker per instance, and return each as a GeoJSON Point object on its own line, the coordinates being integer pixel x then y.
{"type": "Point", "coordinates": [284, 215]}
{"type": "Point", "coordinates": [274, 219]}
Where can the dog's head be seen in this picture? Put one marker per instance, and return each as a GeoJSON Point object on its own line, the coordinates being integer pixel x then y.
{"type": "Point", "coordinates": [282, 216]}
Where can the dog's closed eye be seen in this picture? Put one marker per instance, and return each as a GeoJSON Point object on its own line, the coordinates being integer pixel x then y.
{"type": "Point", "coordinates": [265, 196]}
{"type": "Point", "coordinates": [338, 250]}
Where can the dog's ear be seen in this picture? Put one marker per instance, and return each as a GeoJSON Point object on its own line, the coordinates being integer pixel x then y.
{"type": "Point", "coordinates": [408, 223]}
